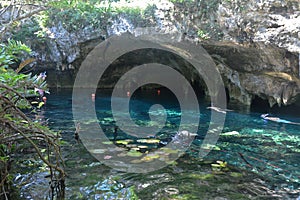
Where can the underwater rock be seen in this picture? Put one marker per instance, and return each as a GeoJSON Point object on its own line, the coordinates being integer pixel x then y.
{"type": "Point", "coordinates": [231, 133]}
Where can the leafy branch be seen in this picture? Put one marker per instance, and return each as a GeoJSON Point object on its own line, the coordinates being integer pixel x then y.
{"type": "Point", "coordinates": [17, 130]}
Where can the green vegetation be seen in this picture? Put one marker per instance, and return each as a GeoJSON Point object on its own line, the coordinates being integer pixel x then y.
{"type": "Point", "coordinates": [202, 35]}
{"type": "Point", "coordinates": [27, 31]}
{"type": "Point", "coordinates": [11, 51]}
{"type": "Point", "coordinates": [137, 16]}
{"type": "Point", "coordinates": [18, 132]}
{"type": "Point", "coordinates": [76, 15]}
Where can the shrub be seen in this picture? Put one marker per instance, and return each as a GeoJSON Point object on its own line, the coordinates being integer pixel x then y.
{"type": "Point", "coordinates": [18, 131]}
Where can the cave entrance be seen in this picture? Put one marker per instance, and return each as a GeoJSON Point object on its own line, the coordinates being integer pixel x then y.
{"type": "Point", "coordinates": [139, 57]}
{"type": "Point", "coordinates": [227, 95]}
{"type": "Point", "coordinates": [259, 105]}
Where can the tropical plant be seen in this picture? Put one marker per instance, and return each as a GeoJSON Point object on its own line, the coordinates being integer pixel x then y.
{"type": "Point", "coordinates": [18, 131]}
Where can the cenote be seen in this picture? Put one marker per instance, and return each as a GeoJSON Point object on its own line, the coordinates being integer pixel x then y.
{"type": "Point", "coordinates": [253, 158]}
{"type": "Point", "coordinates": [150, 140]}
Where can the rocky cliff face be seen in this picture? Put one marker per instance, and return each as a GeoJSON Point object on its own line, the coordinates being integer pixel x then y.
{"type": "Point", "coordinates": [254, 43]}
{"type": "Point", "coordinates": [263, 71]}
{"type": "Point", "coordinates": [268, 21]}
{"type": "Point", "coordinates": [266, 61]}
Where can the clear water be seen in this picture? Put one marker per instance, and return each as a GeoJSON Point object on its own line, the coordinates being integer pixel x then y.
{"type": "Point", "coordinates": [263, 157]}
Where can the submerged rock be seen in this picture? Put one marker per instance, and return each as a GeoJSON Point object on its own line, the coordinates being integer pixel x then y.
{"type": "Point", "coordinates": [231, 133]}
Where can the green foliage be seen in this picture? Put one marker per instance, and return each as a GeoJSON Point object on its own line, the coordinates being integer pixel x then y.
{"type": "Point", "coordinates": [133, 195]}
{"type": "Point", "coordinates": [41, 21]}
{"type": "Point", "coordinates": [10, 52]}
{"type": "Point", "coordinates": [26, 31]}
{"type": "Point", "coordinates": [128, 11]}
{"type": "Point", "coordinates": [15, 47]}
{"type": "Point", "coordinates": [16, 129]}
{"type": "Point", "coordinates": [202, 35]}
{"type": "Point", "coordinates": [24, 84]}
{"type": "Point", "coordinates": [75, 15]}
{"type": "Point", "coordinates": [138, 16]}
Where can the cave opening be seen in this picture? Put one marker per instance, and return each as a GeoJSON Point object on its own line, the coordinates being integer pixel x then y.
{"type": "Point", "coordinates": [227, 95]}
{"type": "Point", "coordinates": [130, 60]}
{"type": "Point", "coordinates": [260, 105]}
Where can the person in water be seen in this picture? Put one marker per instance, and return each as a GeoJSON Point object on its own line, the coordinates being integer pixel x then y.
{"type": "Point", "coordinates": [277, 119]}
{"type": "Point", "coordinates": [220, 110]}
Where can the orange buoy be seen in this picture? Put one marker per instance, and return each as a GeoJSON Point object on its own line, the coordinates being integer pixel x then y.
{"type": "Point", "coordinates": [158, 92]}
{"type": "Point", "coordinates": [44, 99]}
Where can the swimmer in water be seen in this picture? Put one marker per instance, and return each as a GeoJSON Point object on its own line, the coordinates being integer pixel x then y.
{"type": "Point", "coordinates": [277, 119]}
{"type": "Point", "coordinates": [221, 110]}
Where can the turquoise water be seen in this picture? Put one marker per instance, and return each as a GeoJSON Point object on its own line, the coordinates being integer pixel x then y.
{"type": "Point", "coordinates": [262, 157]}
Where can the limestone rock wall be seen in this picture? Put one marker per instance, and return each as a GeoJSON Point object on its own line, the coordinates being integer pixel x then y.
{"type": "Point", "coordinates": [255, 43]}
{"type": "Point", "coordinates": [265, 71]}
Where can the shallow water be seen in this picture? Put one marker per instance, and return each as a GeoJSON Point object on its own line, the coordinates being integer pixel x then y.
{"type": "Point", "coordinates": [262, 157]}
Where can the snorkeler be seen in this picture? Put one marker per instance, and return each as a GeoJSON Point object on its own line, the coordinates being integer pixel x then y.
{"type": "Point", "coordinates": [221, 110]}
{"type": "Point", "coordinates": [277, 119]}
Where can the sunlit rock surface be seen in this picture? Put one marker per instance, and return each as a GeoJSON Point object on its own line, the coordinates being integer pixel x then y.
{"type": "Point", "coordinates": [268, 21]}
